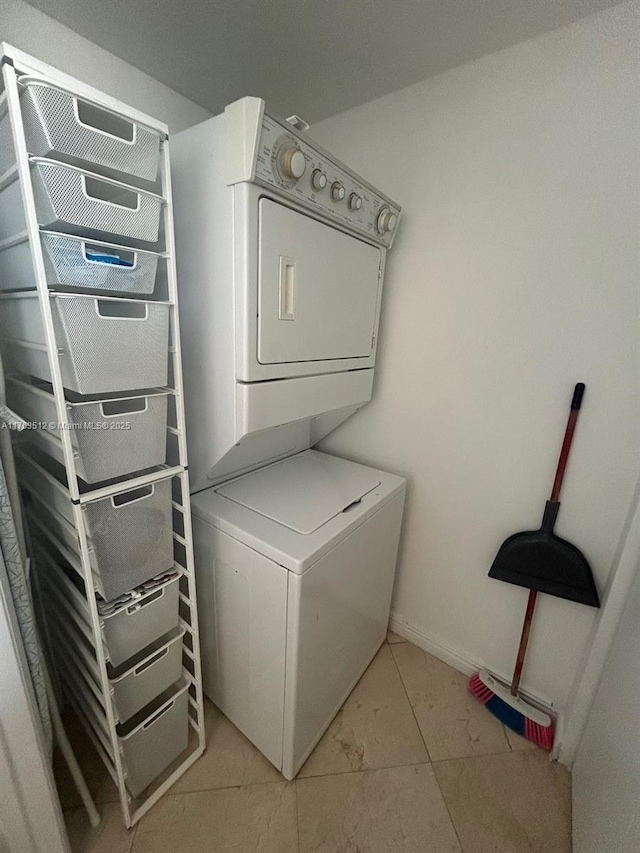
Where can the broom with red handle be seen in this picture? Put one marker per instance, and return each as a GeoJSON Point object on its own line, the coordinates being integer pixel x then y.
{"type": "Point", "coordinates": [541, 553]}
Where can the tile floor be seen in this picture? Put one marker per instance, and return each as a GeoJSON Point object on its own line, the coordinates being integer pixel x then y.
{"type": "Point", "coordinates": [411, 764]}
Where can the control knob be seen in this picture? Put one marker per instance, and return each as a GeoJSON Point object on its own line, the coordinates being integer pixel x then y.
{"type": "Point", "coordinates": [355, 202]}
{"type": "Point", "coordinates": [387, 221]}
{"type": "Point", "coordinates": [318, 180]}
{"type": "Point", "coordinates": [337, 191]}
{"type": "Point", "coordinates": [292, 163]}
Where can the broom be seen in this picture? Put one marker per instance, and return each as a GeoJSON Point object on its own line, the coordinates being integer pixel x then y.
{"type": "Point", "coordinates": [543, 562]}
{"type": "Point", "coordinates": [506, 704]}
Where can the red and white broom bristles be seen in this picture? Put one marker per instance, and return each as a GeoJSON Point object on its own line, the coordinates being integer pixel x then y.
{"type": "Point", "coordinates": [513, 711]}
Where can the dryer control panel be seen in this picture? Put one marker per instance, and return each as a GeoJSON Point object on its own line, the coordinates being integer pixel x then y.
{"type": "Point", "coordinates": [289, 162]}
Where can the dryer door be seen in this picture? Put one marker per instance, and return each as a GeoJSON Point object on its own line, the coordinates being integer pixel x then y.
{"type": "Point", "coordinates": [318, 289]}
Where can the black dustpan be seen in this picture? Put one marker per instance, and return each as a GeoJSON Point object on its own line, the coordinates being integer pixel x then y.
{"type": "Point", "coordinates": [538, 559]}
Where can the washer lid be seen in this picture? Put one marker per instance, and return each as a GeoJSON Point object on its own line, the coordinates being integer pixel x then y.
{"type": "Point", "coordinates": [302, 492]}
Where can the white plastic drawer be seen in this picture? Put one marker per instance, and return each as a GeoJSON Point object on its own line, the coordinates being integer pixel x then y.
{"type": "Point", "coordinates": [60, 124]}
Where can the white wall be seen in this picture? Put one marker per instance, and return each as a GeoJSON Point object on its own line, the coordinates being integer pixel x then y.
{"type": "Point", "coordinates": [606, 775]}
{"type": "Point", "coordinates": [514, 275]}
{"type": "Point", "coordinates": [36, 33]}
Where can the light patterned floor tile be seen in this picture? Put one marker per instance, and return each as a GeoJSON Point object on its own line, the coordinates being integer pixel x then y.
{"type": "Point", "coordinates": [514, 803]}
{"type": "Point", "coordinates": [110, 836]}
{"type": "Point", "coordinates": [255, 819]}
{"type": "Point", "coordinates": [452, 722]}
{"type": "Point", "coordinates": [374, 728]}
{"type": "Point", "coordinates": [394, 810]}
{"type": "Point", "coordinates": [229, 760]}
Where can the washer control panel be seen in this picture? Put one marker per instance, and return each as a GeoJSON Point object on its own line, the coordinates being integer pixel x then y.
{"type": "Point", "coordinates": [295, 167]}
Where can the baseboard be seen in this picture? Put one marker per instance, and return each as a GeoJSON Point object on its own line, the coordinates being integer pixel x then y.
{"type": "Point", "coordinates": [457, 659]}
{"type": "Point", "coordinates": [558, 753]}
{"type": "Point", "coordinates": [429, 644]}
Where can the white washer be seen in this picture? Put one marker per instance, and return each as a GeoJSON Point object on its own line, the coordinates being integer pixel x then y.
{"type": "Point", "coordinates": [295, 573]}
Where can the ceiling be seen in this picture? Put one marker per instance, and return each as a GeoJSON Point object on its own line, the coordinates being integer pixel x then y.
{"type": "Point", "coordinates": [312, 57]}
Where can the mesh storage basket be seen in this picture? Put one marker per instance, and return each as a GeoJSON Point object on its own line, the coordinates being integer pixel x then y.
{"type": "Point", "coordinates": [111, 346]}
{"type": "Point", "coordinates": [70, 199]}
{"type": "Point", "coordinates": [137, 684]}
{"type": "Point", "coordinates": [108, 344]}
{"type": "Point", "coordinates": [111, 452]}
{"type": "Point", "coordinates": [141, 622]}
{"type": "Point", "coordinates": [149, 746]}
{"type": "Point", "coordinates": [131, 537]}
{"type": "Point", "coordinates": [77, 263]}
{"type": "Point", "coordinates": [58, 123]}
{"type": "Point", "coordinates": [110, 438]}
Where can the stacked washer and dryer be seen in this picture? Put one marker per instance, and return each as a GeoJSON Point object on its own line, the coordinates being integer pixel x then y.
{"type": "Point", "coordinates": [281, 252]}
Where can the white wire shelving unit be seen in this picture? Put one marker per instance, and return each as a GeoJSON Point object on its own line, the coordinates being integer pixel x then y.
{"type": "Point", "coordinates": [74, 627]}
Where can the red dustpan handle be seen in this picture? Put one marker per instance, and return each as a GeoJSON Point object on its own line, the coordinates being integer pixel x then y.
{"type": "Point", "coordinates": [578, 392]}
{"type": "Point", "coordinates": [576, 402]}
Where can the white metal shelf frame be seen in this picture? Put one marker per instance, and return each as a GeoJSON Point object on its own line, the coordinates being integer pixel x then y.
{"type": "Point", "coordinates": [15, 63]}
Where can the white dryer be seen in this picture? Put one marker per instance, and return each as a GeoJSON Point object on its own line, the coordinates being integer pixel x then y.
{"type": "Point", "coordinates": [280, 281]}
{"type": "Point", "coordinates": [281, 251]}
{"type": "Point", "coordinates": [296, 566]}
